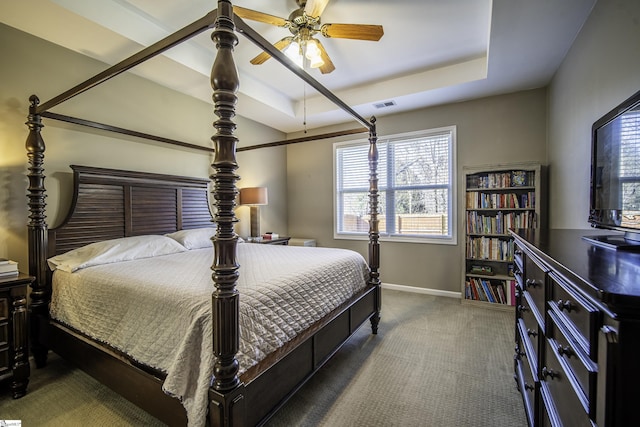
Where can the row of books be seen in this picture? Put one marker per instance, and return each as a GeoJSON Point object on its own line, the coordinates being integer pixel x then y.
{"type": "Point", "coordinates": [491, 248]}
{"type": "Point", "coordinates": [480, 200]}
{"type": "Point", "coordinates": [490, 290]}
{"type": "Point", "coordinates": [8, 268]}
{"type": "Point", "coordinates": [508, 179]}
{"type": "Point", "coordinates": [498, 224]}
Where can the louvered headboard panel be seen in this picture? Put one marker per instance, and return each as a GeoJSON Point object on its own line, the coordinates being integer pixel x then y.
{"type": "Point", "coordinates": [109, 204]}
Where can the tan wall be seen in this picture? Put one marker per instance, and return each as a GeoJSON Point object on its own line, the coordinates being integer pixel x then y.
{"type": "Point", "coordinates": [601, 69]}
{"type": "Point", "coordinates": [501, 129]}
{"type": "Point", "coordinates": [31, 65]}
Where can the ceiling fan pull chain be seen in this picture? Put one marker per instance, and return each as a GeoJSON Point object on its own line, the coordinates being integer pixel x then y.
{"type": "Point", "coordinates": [304, 106]}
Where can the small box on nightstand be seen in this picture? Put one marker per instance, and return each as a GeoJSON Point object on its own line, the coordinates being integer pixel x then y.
{"type": "Point", "coordinates": [300, 241]}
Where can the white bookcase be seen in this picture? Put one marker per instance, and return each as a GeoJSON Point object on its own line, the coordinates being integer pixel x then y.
{"type": "Point", "coordinates": [497, 198]}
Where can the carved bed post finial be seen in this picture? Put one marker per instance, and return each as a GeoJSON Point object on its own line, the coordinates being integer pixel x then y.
{"type": "Point", "coordinates": [226, 393]}
{"type": "Point", "coordinates": [37, 229]}
{"type": "Point", "coordinates": [374, 233]}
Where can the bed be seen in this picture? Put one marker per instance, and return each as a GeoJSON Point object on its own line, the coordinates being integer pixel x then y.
{"type": "Point", "coordinates": [109, 205]}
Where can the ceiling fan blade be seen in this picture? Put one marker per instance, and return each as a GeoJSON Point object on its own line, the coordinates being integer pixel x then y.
{"type": "Point", "coordinates": [259, 16]}
{"type": "Point", "coordinates": [328, 66]}
{"type": "Point", "coordinates": [353, 31]}
{"type": "Point", "coordinates": [314, 8]}
{"type": "Point", "coordinates": [280, 45]}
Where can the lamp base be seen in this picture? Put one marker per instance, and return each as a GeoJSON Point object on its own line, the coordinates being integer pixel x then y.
{"type": "Point", "coordinates": [254, 212]}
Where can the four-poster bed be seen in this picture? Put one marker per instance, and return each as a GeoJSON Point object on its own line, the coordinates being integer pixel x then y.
{"type": "Point", "coordinates": [113, 204]}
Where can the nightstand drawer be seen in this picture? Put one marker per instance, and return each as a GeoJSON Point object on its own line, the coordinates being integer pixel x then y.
{"type": "Point", "coordinates": [4, 308]}
{"type": "Point", "coordinates": [4, 359]}
{"type": "Point", "coordinates": [4, 334]}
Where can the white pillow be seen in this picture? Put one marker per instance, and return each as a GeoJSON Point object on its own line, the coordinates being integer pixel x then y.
{"type": "Point", "coordinates": [108, 251]}
{"type": "Point", "coordinates": [194, 238]}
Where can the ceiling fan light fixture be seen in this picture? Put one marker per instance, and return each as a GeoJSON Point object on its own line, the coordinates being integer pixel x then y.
{"type": "Point", "coordinates": [313, 54]}
{"type": "Point", "coordinates": [293, 53]}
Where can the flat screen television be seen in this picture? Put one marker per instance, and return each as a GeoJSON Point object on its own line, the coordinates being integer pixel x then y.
{"type": "Point", "coordinates": [615, 176]}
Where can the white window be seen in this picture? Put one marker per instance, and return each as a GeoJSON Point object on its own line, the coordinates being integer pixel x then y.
{"type": "Point", "coordinates": [416, 182]}
{"type": "Point", "coordinates": [629, 165]}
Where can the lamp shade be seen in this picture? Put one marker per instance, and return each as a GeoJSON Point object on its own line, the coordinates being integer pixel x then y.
{"type": "Point", "coordinates": [253, 196]}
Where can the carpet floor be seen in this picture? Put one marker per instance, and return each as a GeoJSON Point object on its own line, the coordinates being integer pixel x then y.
{"type": "Point", "coordinates": [434, 362]}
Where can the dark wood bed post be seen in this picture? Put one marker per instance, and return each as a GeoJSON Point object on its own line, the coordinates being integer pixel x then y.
{"type": "Point", "coordinates": [374, 233]}
{"type": "Point", "coordinates": [226, 406]}
{"type": "Point", "coordinates": [37, 233]}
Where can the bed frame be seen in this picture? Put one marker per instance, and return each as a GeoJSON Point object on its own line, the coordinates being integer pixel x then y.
{"type": "Point", "coordinates": [113, 203]}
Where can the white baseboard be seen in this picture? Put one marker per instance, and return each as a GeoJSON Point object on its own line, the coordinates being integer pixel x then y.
{"type": "Point", "coordinates": [437, 292]}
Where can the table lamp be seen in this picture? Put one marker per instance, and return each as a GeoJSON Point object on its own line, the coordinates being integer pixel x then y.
{"type": "Point", "coordinates": [254, 197]}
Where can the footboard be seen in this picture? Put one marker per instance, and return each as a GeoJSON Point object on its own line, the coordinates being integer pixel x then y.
{"type": "Point", "coordinates": [269, 384]}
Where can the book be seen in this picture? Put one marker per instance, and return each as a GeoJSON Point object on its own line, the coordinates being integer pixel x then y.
{"type": "Point", "coordinates": [518, 178]}
{"type": "Point", "coordinates": [8, 267]}
{"type": "Point", "coordinates": [9, 274]}
{"type": "Point", "coordinates": [487, 290]}
{"type": "Point", "coordinates": [4, 261]}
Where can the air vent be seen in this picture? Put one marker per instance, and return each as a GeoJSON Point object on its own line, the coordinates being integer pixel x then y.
{"type": "Point", "coordinates": [385, 104]}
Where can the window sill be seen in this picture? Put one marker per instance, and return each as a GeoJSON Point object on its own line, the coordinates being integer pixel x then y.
{"type": "Point", "coordinates": [400, 239]}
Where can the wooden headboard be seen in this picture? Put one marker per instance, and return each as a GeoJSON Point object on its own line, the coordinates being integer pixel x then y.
{"type": "Point", "coordinates": [109, 204]}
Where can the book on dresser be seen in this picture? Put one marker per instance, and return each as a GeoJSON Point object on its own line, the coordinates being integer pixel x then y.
{"type": "Point", "coordinates": [8, 268]}
{"type": "Point", "coordinates": [497, 198]}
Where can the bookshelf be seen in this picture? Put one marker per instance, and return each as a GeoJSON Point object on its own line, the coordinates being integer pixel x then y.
{"type": "Point", "coordinates": [497, 198]}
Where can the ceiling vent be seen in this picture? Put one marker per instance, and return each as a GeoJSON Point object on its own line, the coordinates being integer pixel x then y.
{"type": "Point", "coordinates": [385, 104]}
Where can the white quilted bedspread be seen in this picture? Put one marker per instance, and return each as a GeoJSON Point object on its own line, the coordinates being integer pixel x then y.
{"type": "Point", "coordinates": [158, 310]}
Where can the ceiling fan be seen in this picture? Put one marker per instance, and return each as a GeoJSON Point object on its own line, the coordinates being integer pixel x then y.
{"type": "Point", "coordinates": [304, 23]}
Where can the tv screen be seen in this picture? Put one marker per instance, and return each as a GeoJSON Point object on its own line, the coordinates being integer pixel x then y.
{"type": "Point", "coordinates": [615, 170]}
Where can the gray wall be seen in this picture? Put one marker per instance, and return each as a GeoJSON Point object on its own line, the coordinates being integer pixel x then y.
{"type": "Point", "coordinates": [32, 65]}
{"type": "Point", "coordinates": [500, 129]}
{"type": "Point", "coordinates": [601, 69]}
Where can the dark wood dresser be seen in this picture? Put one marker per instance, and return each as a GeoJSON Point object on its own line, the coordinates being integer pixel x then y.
{"type": "Point", "coordinates": [577, 329]}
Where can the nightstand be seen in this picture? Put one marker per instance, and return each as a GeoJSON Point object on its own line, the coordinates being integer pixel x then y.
{"type": "Point", "coordinates": [14, 354]}
{"type": "Point", "coordinates": [278, 241]}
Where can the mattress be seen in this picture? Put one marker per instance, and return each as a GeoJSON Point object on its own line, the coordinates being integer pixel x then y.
{"type": "Point", "coordinates": [157, 310]}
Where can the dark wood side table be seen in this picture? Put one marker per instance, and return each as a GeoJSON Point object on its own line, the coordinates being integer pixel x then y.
{"type": "Point", "coordinates": [279, 241]}
{"type": "Point", "coordinates": [14, 353]}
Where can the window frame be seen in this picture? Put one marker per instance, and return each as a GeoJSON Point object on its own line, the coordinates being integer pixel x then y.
{"type": "Point", "coordinates": [450, 239]}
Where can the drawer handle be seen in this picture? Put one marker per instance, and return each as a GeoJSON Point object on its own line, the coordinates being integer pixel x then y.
{"type": "Point", "coordinates": [546, 372]}
{"type": "Point", "coordinates": [528, 387]}
{"type": "Point", "coordinates": [531, 283]}
{"type": "Point", "coordinates": [566, 305]}
{"type": "Point", "coordinates": [531, 333]}
{"type": "Point", "coordinates": [522, 308]}
{"type": "Point", "coordinates": [519, 354]}
{"type": "Point", "coordinates": [565, 351]}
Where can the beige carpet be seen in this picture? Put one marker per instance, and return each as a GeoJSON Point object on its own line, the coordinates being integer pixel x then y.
{"type": "Point", "coordinates": [435, 362]}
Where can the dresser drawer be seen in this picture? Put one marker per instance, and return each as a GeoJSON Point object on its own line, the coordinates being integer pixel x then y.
{"type": "Point", "coordinates": [570, 406]}
{"type": "Point", "coordinates": [528, 335]}
{"type": "Point", "coordinates": [527, 388]}
{"type": "Point", "coordinates": [575, 362]}
{"type": "Point", "coordinates": [534, 283]}
{"type": "Point", "coordinates": [579, 316]}
{"type": "Point", "coordinates": [528, 311]}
